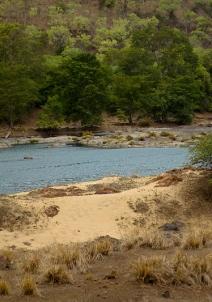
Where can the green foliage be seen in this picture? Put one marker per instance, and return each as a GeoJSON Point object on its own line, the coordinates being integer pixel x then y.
{"type": "Point", "coordinates": [201, 152]}
{"type": "Point", "coordinates": [52, 113]}
{"type": "Point", "coordinates": [79, 86]}
{"type": "Point", "coordinates": [127, 95]}
{"type": "Point", "coordinates": [169, 6]}
{"type": "Point", "coordinates": [17, 92]}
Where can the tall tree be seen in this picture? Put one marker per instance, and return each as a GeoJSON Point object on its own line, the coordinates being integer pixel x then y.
{"type": "Point", "coordinates": [17, 92]}
{"type": "Point", "coordinates": [20, 62]}
{"type": "Point", "coordinates": [80, 84]}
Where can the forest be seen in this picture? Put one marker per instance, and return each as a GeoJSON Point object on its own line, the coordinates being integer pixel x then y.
{"type": "Point", "coordinates": [77, 59]}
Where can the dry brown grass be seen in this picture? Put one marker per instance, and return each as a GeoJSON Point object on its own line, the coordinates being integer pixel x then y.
{"type": "Point", "coordinates": [32, 263]}
{"type": "Point", "coordinates": [95, 250]}
{"type": "Point", "coordinates": [156, 240]}
{"type": "Point", "coordinates": [4, 288]}
{"type": "Point", "coordinates": [28, 286]}
{"type": "Point", "coordinates": [8, 254]}
{"type": "Point", "coordinates": [131, 238]}
{"type": "Point", "coordinates": [12, 215]}
{"type": "Point", "coordinates": [57, 273]}
{"type": "Point", "coordinates": [197, 237]}
{"type": "Point", "coordinates": [70, 255]}
{"type": "Point", "coordinates": [180, 270]}
{"type": "Point", "coordinates": [149, 270]}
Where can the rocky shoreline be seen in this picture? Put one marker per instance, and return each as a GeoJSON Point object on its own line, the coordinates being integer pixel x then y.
{"type": "Point", "coordinates": [180, 136]}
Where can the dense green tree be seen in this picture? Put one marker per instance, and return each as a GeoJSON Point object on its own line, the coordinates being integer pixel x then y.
{"type": "Point", "coordinates": [80, 85]}
{"type": "Point", "coordinates": [179, 87]}
{"type": "Point", "coordinates": [169, 7]}
{"type": "Point", "coordinates": [20, 71]}
{"type": "Point", "coordinates": [127, 95]}
{"type": "Point", "coordinates": [17, 92]}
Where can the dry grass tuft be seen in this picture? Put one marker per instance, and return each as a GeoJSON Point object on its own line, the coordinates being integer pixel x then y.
{"type": "Point", "coordinates": [28, 286]}
{"type": "Point", "coordinates": [57, 273]}
{"type": "Point", "coordinates": [32, 263]}
{"type": "Point", "coordinates": [8, 254]}
{"type": "Point", "coordinates": [191, 270]}
{"type": "Point", "coordinates": [149, 270]}
{"type": "Point", "coordinates": [69, 255]}
{"type": "Point", "coordinates": [4, 288]}
{"type": "Point", "coordinates": [197, 237]}
{"type": "Point", "coordinates": [181, 270]}
{"type": "Point", "coordinates": [98, 248]}
{"type": "Point", "coordinates": [156, 241]}
{"type": "Point", "coordinates": [132, 238]}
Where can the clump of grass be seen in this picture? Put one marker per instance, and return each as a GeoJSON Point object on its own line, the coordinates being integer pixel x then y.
{"type": "Point", "coordinates": [197, 238]}
{"type": "Point", "coordinates": [131, 238]}
{"type": "Point", "coordinates": [131, 143]}
{"type": "Point", "coordinates": [146, 122]}
{"type": "Point", "coordinates": [152, 134]}
{"type": "Point", "coordinates": [34, 140]}
{"type": "Point", "coordinates": [172, 137]}
{"type": "Point", "coordinates": [29, 286]}
{"type": "Point", "coordinates": [129, 137]}
{"type": "Point", "coordinates": [98, 248]}
{"type": "Point", "coordinates": [184, 139]}
{"type": "Point", "coordinates": [87, 133]}
{"type": "Point", "coordinates": [181, 269]}
{"type": "Point", "coordinates": [193, 136]}
{"type": "Point", "coordinates": [32, 263]}
{"type": "Point", "coordinates": [113, 136]}
{"type": "Point", "coordinates": [4, 288]}
{"type": "Point", "coordinates": [149, 270]}
{"type": "Point", "coordinates": [165, 133]}
{"type": "Point", "coordinates": [57, 273]}
{"type": "Point", "coordinates": [69, 255]}
{"type": "Point", "coordinates": [191, 270]}
{"type": "Point", "coordinates": [141, 138]}
{"type": "Point", "coordinates": [106, 141]}
{"type": "Point", "coordinates": [156, 241]}
{"type": "Point", "coordinates": [8, 254]}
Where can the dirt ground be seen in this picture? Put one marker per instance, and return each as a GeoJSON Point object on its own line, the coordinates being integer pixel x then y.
{"type": "Point", "coordinates": [131, 211]}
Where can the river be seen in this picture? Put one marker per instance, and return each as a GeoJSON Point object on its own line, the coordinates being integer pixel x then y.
{"type": "Point", "coordinates": [71, 164]}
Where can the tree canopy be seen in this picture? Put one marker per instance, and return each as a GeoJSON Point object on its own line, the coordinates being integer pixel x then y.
{"type": "Point", "coordinates": [80, 85]}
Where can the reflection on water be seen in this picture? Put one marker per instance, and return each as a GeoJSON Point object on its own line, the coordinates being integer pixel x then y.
{"type": "Point", "coordinates": [70, 164]}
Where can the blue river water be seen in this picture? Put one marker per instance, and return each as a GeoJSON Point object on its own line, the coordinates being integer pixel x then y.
{"type": "Point", "coordinates": [71, 164]}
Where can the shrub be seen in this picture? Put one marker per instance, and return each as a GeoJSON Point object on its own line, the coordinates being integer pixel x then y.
{"type": "Point", "coordinates": [146, 122]}
{"type": "Point", "coordinates": [129, 138]}
{"type": "Point", "coordinates": [201, 152]}
{"type": "Point", "coordinates": [152, 134]}
{"type": "Point", "coordinates": [141, 138]}
{"type": "Point", "coordinates": [172, 136]}
{"type": "Point", "coordinates": [34, 141]}
{"type": "Point", "coordinates": [87, 133]}
{"type": "Point", "coordinates": [165, 133]}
